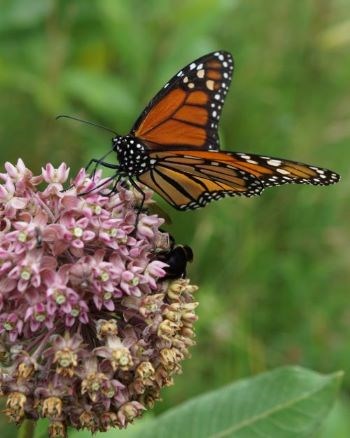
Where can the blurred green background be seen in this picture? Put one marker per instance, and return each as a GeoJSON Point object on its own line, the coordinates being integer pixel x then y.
{"type": "Point", "coordinates": [273, 272]}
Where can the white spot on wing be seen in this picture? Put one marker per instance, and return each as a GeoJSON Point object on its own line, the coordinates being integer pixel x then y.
{"type": "Point", "coordinates": [275, 163]}
{"type": "Point", "coordinates": [283, 171]}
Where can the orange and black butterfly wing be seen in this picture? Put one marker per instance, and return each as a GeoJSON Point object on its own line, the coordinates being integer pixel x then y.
{"type": "Point", "coordinates": [191, 179]}
{"type": "Point", "coordinates": [186, 112]}
{"type": "Point", "coordinates": [273, 171]}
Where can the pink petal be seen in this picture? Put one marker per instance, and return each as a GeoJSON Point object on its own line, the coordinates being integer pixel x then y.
{"type": "Point", "coordinates": [88, 235]}
{"type": "Point", "coordinates": [77, 243]}
{"type": "Point", "coordinates": [18, 203]}
{"type": "Point", "coordinates": [11, 170]}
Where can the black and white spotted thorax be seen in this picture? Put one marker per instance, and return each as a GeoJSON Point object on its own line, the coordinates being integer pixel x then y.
{"type": "Point", "coordinates": [132, 155]}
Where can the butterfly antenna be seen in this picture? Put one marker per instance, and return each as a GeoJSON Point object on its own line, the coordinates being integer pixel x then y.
{"type": "Point", "coordinates": [63, 116]}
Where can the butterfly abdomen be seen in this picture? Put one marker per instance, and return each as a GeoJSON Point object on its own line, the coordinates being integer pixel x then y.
{"type": "Point", "coordinates": [132, 155]}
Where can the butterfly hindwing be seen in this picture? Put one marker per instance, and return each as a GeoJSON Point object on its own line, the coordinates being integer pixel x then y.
{"type": "Point", "coordinates": [273, 171]}
{"type": "Point", "coordinates": [191, 179]}
{"type": "Point", "coordinates": [186, 112]}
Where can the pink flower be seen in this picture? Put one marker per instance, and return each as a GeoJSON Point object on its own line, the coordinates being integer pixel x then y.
{"type": "Point", "coordinates": [153, 272]}
{"type": "Point", "coordinates": [55, 178]}
{"type": "Point", "coordinates": [52, 175]}
{"type": "Point", "coordinates": [147, 227]}
{"type": "Point", "coordinates": [28, 232]}
{"type": "Point", "coordinates": [20, 175]}
{"type": "Point", "coordinates": [18, 172]}
{"type": "Point", "coordinates": [92, 329]}
{"type": "Point", "coordinates": [37, 316]}
{"type": "Point", "coordinates": [130, 281]}
{"type": "Point", "coordinates": [76, 229]}
{"type": "Point", "coordinates": [11, 324]}
{"type": "Point", "coordinates": [29, 268]}
{"type": "Point", "coordinates": [8, 199]}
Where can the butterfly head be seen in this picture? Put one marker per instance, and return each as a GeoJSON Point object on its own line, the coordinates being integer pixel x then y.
{"type": "Point", "coordinates": [132, 155]}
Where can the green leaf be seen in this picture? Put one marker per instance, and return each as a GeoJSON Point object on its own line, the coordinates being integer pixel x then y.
{"type": "Point", "coordinates": [284, 403]}
{"type": "Point", "coordinates": [337, 423]}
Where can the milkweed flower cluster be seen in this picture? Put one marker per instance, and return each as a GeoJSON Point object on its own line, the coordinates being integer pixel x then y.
{"type": "Point", "coordinates": [90, 328]}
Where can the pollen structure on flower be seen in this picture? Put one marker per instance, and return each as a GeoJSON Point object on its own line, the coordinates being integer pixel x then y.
{"type": "Point", "coordinates": [90, 330]}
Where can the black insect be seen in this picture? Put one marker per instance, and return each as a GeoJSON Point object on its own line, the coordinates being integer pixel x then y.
{"type": "Point", "coordinates": [177, 258]}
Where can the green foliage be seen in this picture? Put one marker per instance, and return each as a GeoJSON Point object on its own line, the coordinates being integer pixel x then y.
{"type": "Point", "coordinates": [272, 271]}
{"type": "Point", "coordinates": [285, 403]}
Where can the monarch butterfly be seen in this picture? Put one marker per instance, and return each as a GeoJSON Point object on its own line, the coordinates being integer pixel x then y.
{"type": "Point", "coordinates": [173, 147]}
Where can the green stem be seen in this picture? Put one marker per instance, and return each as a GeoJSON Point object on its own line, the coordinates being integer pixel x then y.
{"type": "Point", "coordinates": [27, 429]}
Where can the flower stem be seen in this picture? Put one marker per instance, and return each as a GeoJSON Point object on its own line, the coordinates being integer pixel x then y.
{"type": "Point", "coordinates": [27, 429]}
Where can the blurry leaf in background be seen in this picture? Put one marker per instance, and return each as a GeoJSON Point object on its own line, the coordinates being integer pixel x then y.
{"type": "Point", "coordinates": [100, 93]}
{"type": "Point", "coordinates": [337, 36]}
{"type": "Point", "coordinates": [15, 14]}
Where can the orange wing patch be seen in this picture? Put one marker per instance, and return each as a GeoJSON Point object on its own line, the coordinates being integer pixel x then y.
{"type": "Point", "coordinates": [192, 114]}
{"type": "Point", "coordinates": [187, 110]}
{"type": "Point", "coordinates": [214, 64]}
{"type": "Point", "coordinates": [197, 98]}
{"type": "Point", "coordinates": [168, 133]}
{"type": "Point", "coordinates": [161, 112]}
{"type": "Point", "coordinates": [214, 74]}
{"type": "Point", "coordinates": [301, 171]}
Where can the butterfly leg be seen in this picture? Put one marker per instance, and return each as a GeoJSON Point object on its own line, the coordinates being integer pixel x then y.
{"type": "Point", "coordinates": [100, 162]}
{"type": "Point", "coordinates": [114, 188]}
{"type": "Point", "coordinates": [94, 160]}
{"type": "Point", "coordinates": [97, 163]}
{"type": "Point", "coordinates": [143, 197]}
{"type": "Point", "coordinates": [100, 185]}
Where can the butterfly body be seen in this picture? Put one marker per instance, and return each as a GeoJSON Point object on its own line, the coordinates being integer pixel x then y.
{"type": "Point", "coordinates": [132, 155]}
{"type": "Point", "coordinates": [174, 149]}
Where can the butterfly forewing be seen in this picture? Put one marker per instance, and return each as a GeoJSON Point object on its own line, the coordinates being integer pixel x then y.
{"type": "Point", "coordinates": [186, 112]}
{"type": "Point", "coordinates": [191, 179]}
